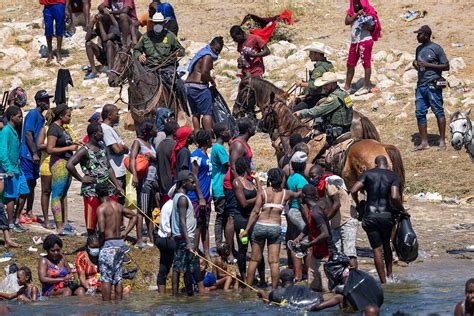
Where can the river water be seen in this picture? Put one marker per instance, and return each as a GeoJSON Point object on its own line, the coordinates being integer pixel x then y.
{"type": "Point", "coordinates": [433, 286]}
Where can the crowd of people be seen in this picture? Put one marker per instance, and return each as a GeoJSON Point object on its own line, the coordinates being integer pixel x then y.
{"type": "Point", "coordinates": [185, 172]}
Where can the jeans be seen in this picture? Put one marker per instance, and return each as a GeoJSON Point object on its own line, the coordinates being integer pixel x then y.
{"type": "Point", "coordinates": [428, 97]}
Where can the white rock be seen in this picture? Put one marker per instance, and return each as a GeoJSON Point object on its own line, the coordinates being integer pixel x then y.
{"type": "Point", "coordinates": [6, 63]}
{"type": "Point", "coordinates": [299, 56]}
{"type": "Point", "coordinates": [377, 104]}
{"type": "Point", "coordinates": [23, 39]}
{"type": "Point", "coordinates": [406, 58]}
{"type": "Point", "coordinates": [77, 41]}
{"type": "Point", "coordinates": [402, 116]}
{"type": "Point", "coordinates": [387, 83]}
{"type": "Point", "coordinates": [457, 64]}
{"type": "Point", "coordinates": [16, 82]}
{"type": "Point", "coordinates": [194, 47]}
{"type": "Point", "coordinates": [281, 84]}
{"type": "Point", "coordinates": [454, 82]}
{"type": "Point", "coordinates": [283, 48]}
{"type": "Point", "coordinates": [5, 33]}
{"type": "Point", "coordinates": [410, 76]}
{"type": "Point", "coordinates": [17, 26]}
{"type": "Point", "coordinates": [21, 66]}
{"type": "Point", "coordinates": [35, 74]}
{"type": "Point", "coordinates": [15, 53]}
{"type": "Point", "coordinates": [396, 52]}
{"type": "Point", "coordinates": [274, 62]}
{"type": "Point", "coordinates": [379, 56]}
{"type": "Point", "coordinates": [393, 66]}
{"type": "Point", "coordinates": [380, 77]}
{"type": "Point", "coordinates": [434, 196]}
{"type": "Point", "coordinates": [452, 101]}
{"type": "Point", "coordinates": [389, 58]}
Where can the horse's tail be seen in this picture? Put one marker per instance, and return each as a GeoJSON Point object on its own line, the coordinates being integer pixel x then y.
{"type": "Point", "coordinates": [369, 131]}
{"type": "Point", "coordinates": [397, 164]}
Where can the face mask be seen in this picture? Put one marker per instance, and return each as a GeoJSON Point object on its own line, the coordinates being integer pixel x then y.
{"type": "Point", "coordinates": [158, 28]}
{"type": "Point", "coordinates": [314, 181]}
{"type": "Point", "coordinates": [93, 251]}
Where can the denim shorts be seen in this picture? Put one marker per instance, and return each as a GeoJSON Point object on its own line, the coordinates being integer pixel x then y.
{"type": "Point", "coordinates": [428, 97]}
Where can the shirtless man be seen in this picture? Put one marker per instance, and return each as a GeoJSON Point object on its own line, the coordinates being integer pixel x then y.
{"type": "Point", "coordinates": [383, 205]}
{"type": "Point", "coordinates": [466, 307]}
{"type": "Point", "coordinates": [112, 251]}
{"type": "Point", "coordinates": [197, 83]}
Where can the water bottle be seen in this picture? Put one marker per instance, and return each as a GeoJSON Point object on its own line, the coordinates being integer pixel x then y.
{"type": "Point", "coordinates": [244, 240]}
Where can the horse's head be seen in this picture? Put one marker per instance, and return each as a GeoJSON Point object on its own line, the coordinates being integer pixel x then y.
{"type": "Point", "coordinates": [461, 128]}
{"type": "Point", "coordinates": [120, 69]}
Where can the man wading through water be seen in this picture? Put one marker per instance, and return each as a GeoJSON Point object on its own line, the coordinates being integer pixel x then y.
{"type": "Point", "coordinates": [383, 205]}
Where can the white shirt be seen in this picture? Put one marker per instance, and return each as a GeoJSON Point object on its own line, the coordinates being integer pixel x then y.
{"type": "Point", "coordinates": [164, 229]}
{"type": "Point", "coordinates": [116, 161]}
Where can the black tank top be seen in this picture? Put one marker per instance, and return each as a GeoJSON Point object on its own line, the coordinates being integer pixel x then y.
{"type": "Point", "coordinates": [249, 194]}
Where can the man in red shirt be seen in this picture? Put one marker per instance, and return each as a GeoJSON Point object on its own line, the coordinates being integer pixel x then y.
{"type": "Point", "coordinates": [319, 236]}
{"type": "Point", "coordinates": [252, 49]}
{"type": "Point", "coordinates": [125, 12]}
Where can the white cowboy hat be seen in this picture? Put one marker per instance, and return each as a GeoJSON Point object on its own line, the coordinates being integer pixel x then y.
{"type": "Point", "coordinates": [158, 18]}
{"type": "Point", "coordinates": [318, 48]}
{"type": "Point", "coordinates": [327, 77]}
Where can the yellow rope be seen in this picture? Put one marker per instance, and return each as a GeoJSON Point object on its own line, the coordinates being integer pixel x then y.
{"type": "Point", "coordinates": [230, 274]}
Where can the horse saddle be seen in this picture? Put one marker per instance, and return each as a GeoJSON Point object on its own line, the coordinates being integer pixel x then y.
{"type": "Point", "coordinates": [337, 154]}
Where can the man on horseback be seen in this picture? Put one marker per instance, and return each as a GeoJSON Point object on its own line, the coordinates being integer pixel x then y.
{"type": "Point", "coordinates": [313, 94]}
{"type": "Point", "coordinates": [159, 49]}
{"type": "Point", "coordinates": [335, 113]}
{"type": "Point", "coordinates": [252, 49]}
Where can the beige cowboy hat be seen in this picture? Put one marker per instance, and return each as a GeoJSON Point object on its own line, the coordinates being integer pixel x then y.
{"type": "Point", "coordinates": [326, 78]}
{"type": "Point", "coordinates": [158, 18]}
{"type": "Point", "coordinates": [318, 48]}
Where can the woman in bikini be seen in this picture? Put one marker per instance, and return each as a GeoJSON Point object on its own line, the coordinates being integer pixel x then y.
{"type": "Point", "coordinates": [54, 272]}
{"type": "Point", "coordinates": [266, 216]}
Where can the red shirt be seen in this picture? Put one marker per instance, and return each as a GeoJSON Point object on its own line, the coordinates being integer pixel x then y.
{"type": "Point", "coordinates": [51, 2]}
{"type": "Point", "coordinates": [255, 65]}
{"type": "Point", "coordinates": [116, 5]}
{"type": "Point", "coordinates": [227, 178]}
{"type": "Point", "coordinates": [316, 219]}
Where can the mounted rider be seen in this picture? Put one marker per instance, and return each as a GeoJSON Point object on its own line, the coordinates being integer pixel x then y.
{"type": "Point", "coordinates": [313, 94]}
{"type": "Point", "coordinates": [335, 112]}
{"type": "Point", "coordinates": [159, 49]}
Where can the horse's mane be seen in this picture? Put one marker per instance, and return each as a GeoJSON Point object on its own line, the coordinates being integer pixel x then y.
{"type": "Point", "coordinates": [457, 115]}
{"type": "Point", "coordinates": [288, 121]}
{"type": "Point", "coordinates": [265, 85]}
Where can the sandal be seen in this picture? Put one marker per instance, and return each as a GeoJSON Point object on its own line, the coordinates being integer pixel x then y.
{"type": "Point", "coordinates": [420, 148]}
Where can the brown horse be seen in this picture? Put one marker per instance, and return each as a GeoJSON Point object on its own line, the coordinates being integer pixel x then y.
{"type": "Point", "coordinates": [146, 90]}
{"type": "Point", "coordinates": [360, 156]}
{"type": "Point", "coordinates": [265, 92]}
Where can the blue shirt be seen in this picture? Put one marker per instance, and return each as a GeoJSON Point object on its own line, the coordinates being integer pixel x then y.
{"type": "Point", "coordinates": [204, 174]}
{"type": "Point", "coordinates": [220, 164]}
{"type": "Point", "coordinates": [167, 10]}
{"type": "Point", "coordinates": [9, 150]}
{"type": "Point", "coordinates": [294, 183]}
{"type": "Point", "coordinates": [33, 123]}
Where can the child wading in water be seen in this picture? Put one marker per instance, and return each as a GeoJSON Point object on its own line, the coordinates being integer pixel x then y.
{"type": "Point", "coordinates": [224, 280]}
{"type": "Point", "coordinates": [28, 292]}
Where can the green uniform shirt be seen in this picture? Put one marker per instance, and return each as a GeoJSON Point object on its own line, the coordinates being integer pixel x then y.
{"type": "Point", "coordinates": [157, 47]}
{"type": "Point", "coordinates": [336, 110]}
{"type": "Point", "coordinates": [320, 67]}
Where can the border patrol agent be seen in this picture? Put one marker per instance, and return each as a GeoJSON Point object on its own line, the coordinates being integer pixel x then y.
{"type": "Point", "coordinates": [335, 111]}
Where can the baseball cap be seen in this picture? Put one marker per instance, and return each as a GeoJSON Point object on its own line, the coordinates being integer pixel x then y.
{"type": "Point", "coordinates": [94, 117]}
{"type": "Point", "coordinates": [42, 94]}
{"type": "Point", "coordinates": [184, 175]}
{"type": "Point", "coordinates": [425, 29]}
{"type": "Point", "coordinates": [299, 156]}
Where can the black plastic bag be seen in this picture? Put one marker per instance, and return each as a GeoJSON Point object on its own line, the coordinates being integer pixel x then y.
{"type": "Point", "coordinates": [362, 290]}
{"type": "Point", "coordinates": [334, 268]}
{"type": "Point", "coordinates": [221, 112]}
{"type": "Point", "coordinates": [406, 243]}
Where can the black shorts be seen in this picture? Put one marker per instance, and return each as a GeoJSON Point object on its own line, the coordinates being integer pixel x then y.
{"type": "Point", "coordinates": [378, 229]}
